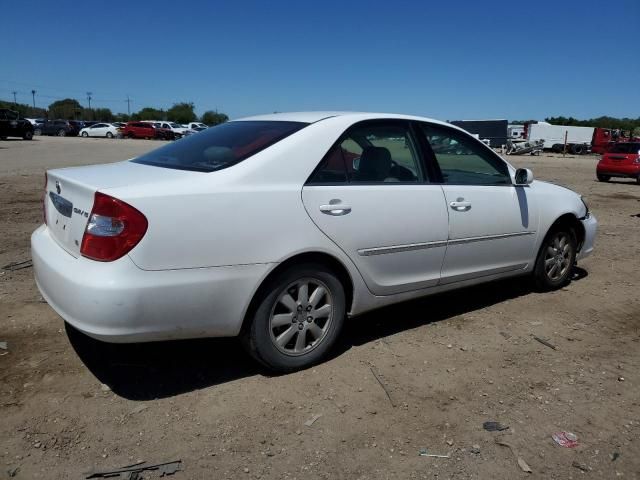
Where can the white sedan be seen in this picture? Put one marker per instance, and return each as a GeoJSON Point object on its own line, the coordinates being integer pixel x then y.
{"type": "Point", "coordinates": [278, 227]}
{"type": "Point", "coordinates": [100, 130]}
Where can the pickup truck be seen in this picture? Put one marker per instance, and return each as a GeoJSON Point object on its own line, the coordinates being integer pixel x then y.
{"type": "Point", "coordinates": [11, 125]}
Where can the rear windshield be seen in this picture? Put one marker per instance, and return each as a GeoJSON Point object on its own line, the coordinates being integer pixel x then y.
{"type": "Point", "coordinates": [221, 146]}
{"type": "Point", "coordinates": [625, 148]}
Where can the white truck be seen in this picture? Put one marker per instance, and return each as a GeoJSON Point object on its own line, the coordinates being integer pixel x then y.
{"type": "Point", "coordinates": [578, 139]}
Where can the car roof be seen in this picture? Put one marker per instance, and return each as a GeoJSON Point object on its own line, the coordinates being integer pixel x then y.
{"type": "Point", "coordinates": [312, 117]}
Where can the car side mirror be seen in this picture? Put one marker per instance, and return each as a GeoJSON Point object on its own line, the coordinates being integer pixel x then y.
{"type": "Point", "coordinates": [524, 176]}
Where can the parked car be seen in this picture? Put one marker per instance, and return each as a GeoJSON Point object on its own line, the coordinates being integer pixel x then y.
{"type": "Point", "coordinates": [178, 130]}
{"type": "Point", "coordinates": [621, 160]}
{"type": "Point", "coordinates": [100, 130]}
{"type": "Point", "coordinates": [140, 130]}
{"type": "Point", "coordinates": [163, 133]}
{"type": "Point", "coordinates": [61, 128]}
{"type": "Point", "coordinates": [195, 125]}
{"type": "Point", "coordinates": [277, 227]}
{"type": "Point", "coordinates": [12, 125]}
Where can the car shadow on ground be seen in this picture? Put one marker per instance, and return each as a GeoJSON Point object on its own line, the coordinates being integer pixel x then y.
{"type": "Point", "coordinates": [145, 371]}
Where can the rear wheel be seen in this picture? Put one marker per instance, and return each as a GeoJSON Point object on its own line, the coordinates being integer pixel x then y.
{"type": "Point", "coordinates": [131, 135]}
{"type": "Point", "coordinates": [28, 135]}
{"type": "Point", "coordinates": [109, 135]}
{"type": "Point", "coordinates": [603, 178]}
{"type": "Point", "coordinates": [62, 133]}
{"type": "Point", "coordinates": [37, 131]}
{"type": "Point", "coordinates": [85, 134]}
{"type": "Point", "coordinates": [297, 319]}
{"type": "Point", "coordinates": [578, 149]}
{"type": "Point", "coordinates": [556, 259]}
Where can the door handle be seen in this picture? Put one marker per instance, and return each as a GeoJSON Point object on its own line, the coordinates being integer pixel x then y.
{"type": "Point", "coordinates": [335, 209]}
{"type": "Point", "coordinates": [460, 206]}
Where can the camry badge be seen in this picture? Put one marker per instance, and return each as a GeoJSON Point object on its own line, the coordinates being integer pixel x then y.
{"type": "Point", "coordinates": [58, 189]}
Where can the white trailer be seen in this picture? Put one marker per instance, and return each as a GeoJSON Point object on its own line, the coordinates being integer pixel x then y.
{"type": "Point", "coordinates": [578, 139]}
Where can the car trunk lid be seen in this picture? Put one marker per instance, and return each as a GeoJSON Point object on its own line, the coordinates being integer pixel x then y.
{"type": "Point", "coordinates": [70, 192]}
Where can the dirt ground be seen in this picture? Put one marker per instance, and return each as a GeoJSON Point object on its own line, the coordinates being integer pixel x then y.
{"type": "Point", "coordinates": [449, 363]}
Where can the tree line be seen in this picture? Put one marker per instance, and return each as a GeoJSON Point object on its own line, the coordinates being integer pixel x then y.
{"type": "Point", "coordinates": [627, 124]}
{"type": "Point", "coordinates": [70, 109]}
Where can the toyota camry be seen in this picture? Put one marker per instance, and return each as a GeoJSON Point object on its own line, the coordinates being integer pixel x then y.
{"type": "Point", "coordinates": [277, 228]}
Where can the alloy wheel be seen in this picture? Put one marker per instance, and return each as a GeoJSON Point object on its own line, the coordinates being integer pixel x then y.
{"type": "Point", "coordinates": [557, 260]}
{"type": "Point", "coordinates": [301, 317]}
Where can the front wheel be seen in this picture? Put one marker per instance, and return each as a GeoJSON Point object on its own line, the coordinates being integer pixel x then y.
{"type": "Point", "coordinates": [556, 259]}
{"type": "Point", "coordinates": [109, 135]}
{"type": "Point", "coordinates": [37, 132]}
{"type": "Point", "coordinates": [28, 135]}
{"type": "Point", "coordinates": [62, 133]}
{"type": "Point", "coordinates": [85, 134]}
{"type": "Point", "coordinates": [603, 178]}
{"type": "Point", "coordinates": [297, 319]}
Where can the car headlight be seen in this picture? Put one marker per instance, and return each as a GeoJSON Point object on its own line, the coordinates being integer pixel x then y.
{"type": "Point", "coordinates": [586, 207]}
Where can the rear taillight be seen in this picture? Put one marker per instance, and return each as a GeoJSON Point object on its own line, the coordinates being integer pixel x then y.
{"type": "Point", "coordinates": [114, 228]}
{"type": "Point", "coordinates": [44, 198]}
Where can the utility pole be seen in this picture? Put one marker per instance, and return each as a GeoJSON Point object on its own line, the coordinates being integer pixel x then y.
{"type": "Point", "coordinates": [14, 97]}
{"type": "Point", "coordinates": [128, 100]}
{"type": "Point", "coordinates": [33, 95]}
{"type": "Point", "coordinates": [89, 99]}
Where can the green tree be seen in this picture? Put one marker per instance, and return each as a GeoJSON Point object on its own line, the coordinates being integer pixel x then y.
{"type": "Point", "coordinates": [68, 109]}
{"type": "Point", "coordinates": [149, 113]}
{"type": "Point", "coordinates": [182, 113]}
{"type": "Point", "coordinates": [102, 115]}
{"type": "Point", "coordinates": [23, 109]}
{"type": "Point", "coordinates": [212, 118]}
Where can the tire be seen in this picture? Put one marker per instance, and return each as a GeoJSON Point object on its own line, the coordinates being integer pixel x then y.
{"type": "Point", "coordinates": [109, 135]}
{"type": "Point", "coordinates": [85, 134]}
{"type": "Point", "coordinates": [131, 136]}
{"type": "Point", "coordinates": [320, 312]}
{"type": "Point", "coordinates": [638, 180]}
{"type": "Point", "coordinates": [603, 178]}
{"type": "Point", "coordinates": [556, 259]}
{"type": "Point", "coordinates": [557, 148]}
{"type": "Point", "coordinates": [28, 135]}
{"type": "Point", "coordinates": [37, 132]}
{"type": "Point", "coordinates": [578, 149]}
{"type": "Point", "coordinates": [62, 133]}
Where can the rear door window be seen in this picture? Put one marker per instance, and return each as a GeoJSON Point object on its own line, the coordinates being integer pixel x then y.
{"type": "Point", "coordinates": [372, 152]}
{"type": "Point", "coordinates": [220, 147]}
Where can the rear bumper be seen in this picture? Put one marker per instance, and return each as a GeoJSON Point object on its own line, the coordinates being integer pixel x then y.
{"type": "Point", "coordinates": [118, 302]}
{"type": "Point", "coordinates": [590, 225]}
{"type": "Point", "coordinates": [627, 170]}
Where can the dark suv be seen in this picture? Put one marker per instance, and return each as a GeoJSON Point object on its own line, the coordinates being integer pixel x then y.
{"type": "Point", "coordinates": [61, 128]}
{"type": "Point", "coordinates": [11, 125]}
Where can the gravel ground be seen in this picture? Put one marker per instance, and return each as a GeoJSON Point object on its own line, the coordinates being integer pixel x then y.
{"type": "Point", "coordinates": [449, 363]}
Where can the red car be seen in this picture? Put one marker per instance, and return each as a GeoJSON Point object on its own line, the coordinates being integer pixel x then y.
{"type": "Point", "coordinates": [145, 130]}
{"type": "Point", "coordinates": [622, 160]}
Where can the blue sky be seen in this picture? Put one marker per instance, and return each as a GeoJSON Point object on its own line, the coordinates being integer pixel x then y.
{"type": "Point", "coordinates": [448, 60]}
